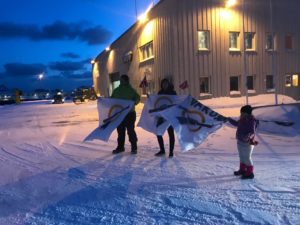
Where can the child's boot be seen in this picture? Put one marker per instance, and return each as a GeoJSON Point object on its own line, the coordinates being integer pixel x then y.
{"type": "Point", "coordinates": [249, 173]}
{"type": "Point", "coordinates": [241, 171]}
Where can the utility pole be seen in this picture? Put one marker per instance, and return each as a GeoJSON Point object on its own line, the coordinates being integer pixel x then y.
{"type": "Point", "coordinates": [273, 53]}
{"type": "Point", "coordinates": [245, 59]}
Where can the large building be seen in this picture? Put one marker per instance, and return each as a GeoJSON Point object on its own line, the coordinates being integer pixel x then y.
{"type": "Point", "coordinates": [249, 48]}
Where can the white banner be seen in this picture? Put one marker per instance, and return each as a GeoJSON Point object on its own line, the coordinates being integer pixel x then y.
{"type": "Point", "coordinates": [150, 119]}
{"type": "Point", "coordinates": [111, 113]}
{"type": "Point", "coordinates": [192, 122]}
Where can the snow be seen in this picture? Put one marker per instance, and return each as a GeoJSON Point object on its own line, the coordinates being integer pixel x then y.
{"type": "Point", "coordinates": [50, 175]}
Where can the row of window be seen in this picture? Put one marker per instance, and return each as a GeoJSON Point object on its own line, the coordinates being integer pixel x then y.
{"type": "Point", "coordinates": [235, 84]}
{"type": "Point", "coordinates": [291, 81]}
{"type": "Point", "coordinates": [249, 40]}
{"type": "Point", "coordinates": [146, 51]}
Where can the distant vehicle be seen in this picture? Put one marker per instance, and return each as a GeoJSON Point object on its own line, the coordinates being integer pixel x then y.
{"type": "Point", "coordinates": [58, 99]}
{"type": "Point", "coordinates": [83, 95]}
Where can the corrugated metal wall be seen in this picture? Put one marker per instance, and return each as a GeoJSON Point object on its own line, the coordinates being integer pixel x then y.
{"type": "Point", "coordinates": [175, 43]}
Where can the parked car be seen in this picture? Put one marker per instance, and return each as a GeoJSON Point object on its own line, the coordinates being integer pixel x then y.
{"type": "Point", "coordinates": [82, 95]}
{"type": "Point", "coordinates": [58, 99]}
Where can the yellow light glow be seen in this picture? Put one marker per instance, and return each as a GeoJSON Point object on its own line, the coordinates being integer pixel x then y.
{"type": "Point", "coordinates": [148, 31]}
{"type": "Point", "coordinates": [231, 3]}
{"type": "Point", "coordinates": [225, 14]}
{"type": "Point", "coordinates": [295, 80]}
{"type": "Point", "coordinates": [144, 17]}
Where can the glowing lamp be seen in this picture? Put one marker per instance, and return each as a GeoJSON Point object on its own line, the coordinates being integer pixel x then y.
{"type": "Point", "coordinates": [231, 3]}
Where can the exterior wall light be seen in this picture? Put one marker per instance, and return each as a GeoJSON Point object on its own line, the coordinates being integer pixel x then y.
{"type": "Point", "coordinates": [230, 3]}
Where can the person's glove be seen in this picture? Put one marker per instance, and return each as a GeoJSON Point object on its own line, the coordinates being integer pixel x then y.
{"type": "Point", "coordinates": [253, 142]}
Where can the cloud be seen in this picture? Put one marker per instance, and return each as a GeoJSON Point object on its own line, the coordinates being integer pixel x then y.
{"type": "Point", "coordinates": [23, 70]}
{"type": "Point", "coordinates": [70, 55]}
{"type": "Point", "coordinates": [95, 35]}
{"type": "Point", "coordinates": [67, 66]}
{"type": "Point", "coordinates": [58, 30]}
{"type": "Point", "coordinates": [86, 75]}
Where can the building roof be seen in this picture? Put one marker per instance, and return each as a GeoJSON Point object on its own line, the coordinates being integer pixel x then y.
{"type": "Point", "coordinates": [130, 28]}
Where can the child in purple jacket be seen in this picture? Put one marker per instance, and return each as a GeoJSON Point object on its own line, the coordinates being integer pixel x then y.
{"type": "Point", "coordinates": [245, 134]}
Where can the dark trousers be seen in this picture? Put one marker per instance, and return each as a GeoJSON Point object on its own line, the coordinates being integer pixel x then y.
{"type": "Point", "coordinates": [129, 124]}
{"type": "Point", "coordinates": [171, 140]}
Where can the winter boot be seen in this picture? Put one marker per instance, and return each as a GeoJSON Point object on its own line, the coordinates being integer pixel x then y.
{"type": "Point", "coordinates": [171, 154]}
{"type": "Point", "coordinates": [249, 173]}
{"type": "Point", "coordinates": [241, 171]}
{"type": "Point", "coordinates": [118, 150]}
{"type": "Point", "coordinates": [133, 148]}
{"type": "Point", "coordinates": [160, 153]}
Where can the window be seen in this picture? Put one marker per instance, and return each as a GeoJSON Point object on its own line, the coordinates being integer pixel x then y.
{"type": "Point", "coordinates": [114, 81]}
{"type": "Point", "coordinates": [289, 42]}
{"type": "Point", "coordinates": [295, 80]}
{"type": "Point", "coordinates": [234, 83]}
{"type": "Point", "coordinates": [249, 41]}
{"type": "Point", "coordinates": [288, 80]}
{"type": "Point", "coordinates": [269, 82]}
{"type": "Point", "coordinates": [270, 42]}
{"type": "Point", "coordinates": [204, 85]}
{"type": "Point", "coordinates": [234, 41]}
{"type": "Point", "coordinates": [146, 51]}
{"type": "Point", "coordinates": [250, 82]}
{"type": "Point", "coordinates": [203, 40]}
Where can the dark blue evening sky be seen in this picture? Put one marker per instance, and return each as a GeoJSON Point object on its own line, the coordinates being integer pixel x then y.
{"type": "Point", "coordinates": [58, 38]}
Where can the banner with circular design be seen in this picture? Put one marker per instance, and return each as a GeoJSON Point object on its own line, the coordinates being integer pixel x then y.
{"type": "Point", "coordinates": [192, 122]}
{"type": "Point", "coordinates": [111, 113]}
{"type": "Point", "coordinates": [150, 119]}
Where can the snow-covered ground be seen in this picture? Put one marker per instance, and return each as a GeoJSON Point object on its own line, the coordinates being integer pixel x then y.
{"type": "Point", "coordinates": [48, 175]}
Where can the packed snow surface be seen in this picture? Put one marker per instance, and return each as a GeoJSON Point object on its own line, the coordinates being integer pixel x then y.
{"type": "Point", "coordinates": [50, 175]}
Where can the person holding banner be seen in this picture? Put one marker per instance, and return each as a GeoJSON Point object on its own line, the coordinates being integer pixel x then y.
{"type": "Point", "coordinates": [125, 91]}
{"type": "Point", "coordinates": [166, 88]}
{"type": "Point", "coordinates": [245, 134]}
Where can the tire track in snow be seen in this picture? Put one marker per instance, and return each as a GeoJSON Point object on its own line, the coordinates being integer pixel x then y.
{"type": "Point", "coordinates": [81, 146]}
{"type": "Point", "coordinates": [21, 161]}
{"type": "Point", "coordinates": [61, 154]}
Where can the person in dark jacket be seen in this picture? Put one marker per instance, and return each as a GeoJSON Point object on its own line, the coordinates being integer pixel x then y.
{"type": "Point", "coordinates": [166, 88]}
{"type": "Point", "coordinates": [245, 135]}
{"type": "Point", "coordinates": [125, 91]}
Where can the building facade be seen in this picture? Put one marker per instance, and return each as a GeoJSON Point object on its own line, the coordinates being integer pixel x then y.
{"type": "Point", "coordinates": [250, 48]}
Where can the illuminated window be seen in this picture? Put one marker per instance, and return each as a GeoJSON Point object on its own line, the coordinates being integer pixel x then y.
{"type": "Point", "coordinates": [270, 42]}
{"type": "Point", "coordinates": [295, 80]}
{"type": "Point", "coordinates": [203, 40]}
{"type": "Point", "coordinates": [249, 41]}
{"type": "Point", "coordinates": [234, 41]}
{"type": "Point", "coordinates": [288, 80]}
{"type": "Point", "coordinates": [269, 82]}
{"type": "Point", "coordinates": [289, 42]}
{"type": "Point", "coordinates": [204, 85]}
{"type": "Point", "coordinates": [146, 51]}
